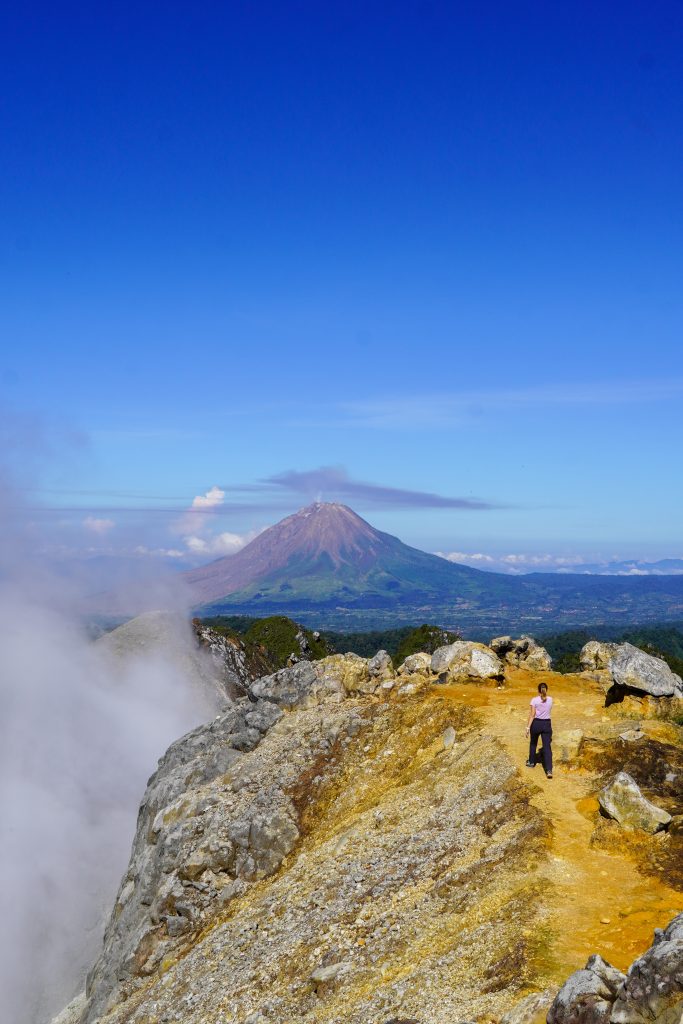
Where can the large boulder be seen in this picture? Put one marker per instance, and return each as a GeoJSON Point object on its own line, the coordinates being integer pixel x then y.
{"type": "Point", "coordinates": [416, 664]}
{"type": "Point", "coordinates": [587, 995]}
{"type": "Point", "coordinates": [653, 990]}
{"type": "Point", "coordinates": [289, 687]}
{"type": "Point", "coordinates": [623, 801]}
{"type": "Point", "coordinates": [349, 673]}
{"type": "Point", "coordinates": [595, 656]}
{"type": "Point", "coordinates": [635, 671]}
{"type": "Point", "coordinates": [381, 667]}
{"type": "Point", "coordinates": [522, 653]}
{"type": "Point", "coordinates": [465, 660]}
{"type": "Point", "coordinates": [335, 677]}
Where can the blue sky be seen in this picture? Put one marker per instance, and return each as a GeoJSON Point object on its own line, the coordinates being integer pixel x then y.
{"type": "Point", "coordinates": [431, 249]}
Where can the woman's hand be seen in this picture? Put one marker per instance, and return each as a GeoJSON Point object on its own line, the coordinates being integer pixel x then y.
{"type": "Point", "coordinates": [526, 731]}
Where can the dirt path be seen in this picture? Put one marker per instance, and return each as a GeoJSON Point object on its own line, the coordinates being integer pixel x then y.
{"type": "Point", "coordinates": [601, 902]}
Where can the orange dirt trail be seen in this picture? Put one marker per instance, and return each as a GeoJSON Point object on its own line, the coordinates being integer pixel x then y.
{"type": "Point", "coordinates": [600, 902]}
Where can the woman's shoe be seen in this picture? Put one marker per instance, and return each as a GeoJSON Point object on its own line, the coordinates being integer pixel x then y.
{"type": "Point", "coordinates": [548, 775]}
{"type": "Point", "coordinates": [530, 764]}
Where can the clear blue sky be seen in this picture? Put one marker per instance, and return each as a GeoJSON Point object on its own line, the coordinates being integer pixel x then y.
{"type": "Point", "coordinates": [439, 245]}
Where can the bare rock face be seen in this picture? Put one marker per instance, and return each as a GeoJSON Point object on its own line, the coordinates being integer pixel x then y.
{"type": "Point", "coordinates": [595, 656]}
{"type": "Point", "coordinates": [308, 683]}
{"type": "Point", "coordinates": [465, 660]}
{"type": "Point", "coordinates": [650, 993]}
{"type": "Point", "coordinates": [587, 995]}
{"type": "Point", "coordinates": [273, 872]}
{"type": "Point", "coordinates": [235, 667]}
{"type": "Point", "coordinates": [522, 653]}
{"type": "Point", "coordinates": [623, 801]}
{"type": "Point", "coordinates": [653, 989]}
{"type": "Point", "coordinates": [635, 671]}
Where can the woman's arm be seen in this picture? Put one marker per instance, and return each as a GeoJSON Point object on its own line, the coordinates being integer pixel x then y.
{"type": "Point", "coordinates": [532, 715]}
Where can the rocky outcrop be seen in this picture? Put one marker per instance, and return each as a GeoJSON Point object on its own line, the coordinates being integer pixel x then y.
{"type": "Point", "coordinates": [595, 656]}
{"type": "Point", "coordinates": [465, 660]}
{"type": "Point", "coordinates": [623, 801]}
{"type": "Point", "coordinates": [651, 992]}
{"type": "Point", "coordinates": [235, 665]}
{"type": "Point", "coordinates": [653, 989]}
{"type": "Point", "coordinates": [634, 671]}
{"type": "Point", "coordinates": [334, 677]}
{"type": "Point", "coordinates": [588, 995]}
{"type": "Point", "coordinates": [522, 653]}
{"type": "Point", "coordinates": [274, 872]}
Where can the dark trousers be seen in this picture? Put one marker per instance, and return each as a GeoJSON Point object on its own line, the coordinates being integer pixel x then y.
{"type": "Point", "coordinates": [543, 728]}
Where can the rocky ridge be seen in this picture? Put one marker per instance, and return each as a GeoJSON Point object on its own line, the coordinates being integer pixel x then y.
{"type": "Point", "coordinates": [344, 842]}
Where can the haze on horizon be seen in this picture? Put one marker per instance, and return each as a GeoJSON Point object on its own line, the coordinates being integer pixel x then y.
{"type": "Point", "coordinates": [425, 263]}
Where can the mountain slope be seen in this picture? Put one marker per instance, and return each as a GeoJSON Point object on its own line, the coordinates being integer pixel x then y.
{"type": "Point", "coordinates": [326, 554]}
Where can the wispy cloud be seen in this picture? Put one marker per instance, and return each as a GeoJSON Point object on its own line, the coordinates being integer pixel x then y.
{"type": "Point", "coordinates": [225, 543]}
{"type": "Point", "coordinates": [334, 483]}
{"type": "Point", "coordinates": [514, 563]}
{"type": "Point", "coordinates": [439, 409]}
{"type": "Point", "coordinates": [98, 526]}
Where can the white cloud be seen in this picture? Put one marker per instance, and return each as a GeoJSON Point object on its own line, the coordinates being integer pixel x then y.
{"type": "Point", "coordinates": [513, 563]}
{"type": "Point", "coordinates": [141, 549]}
{"type": "Point", "coordinates": [213, 497]}
{"type": "Point", "coordinates": [221, 544]}
{"type": "Point", "coordinates": [463, 556]}
{"type": "Point", "coordinates": [99, 526]}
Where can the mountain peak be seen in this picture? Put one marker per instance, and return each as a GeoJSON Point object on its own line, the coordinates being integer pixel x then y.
{"type": "Point", "coordinates": [324, 508]}
{"type": "Point", "coordinates": [326, 551]}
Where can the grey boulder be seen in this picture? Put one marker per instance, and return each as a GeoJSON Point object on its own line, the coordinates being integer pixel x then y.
{"type": "Point", "coordinates": [595, 656]}
{"type": "Point", "coordinates": [623, 801]}
{"type": "Point", "coordinates": [634, 670]}
{"type": "Point", "coordinates": [587, 995]}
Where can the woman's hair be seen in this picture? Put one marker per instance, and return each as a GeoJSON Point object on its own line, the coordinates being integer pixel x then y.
{"type": "Point", "coordinates": [542, 686]}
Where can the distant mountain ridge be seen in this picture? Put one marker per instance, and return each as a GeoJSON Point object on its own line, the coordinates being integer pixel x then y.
{"type": "Point", "coordinates": [327, 567]}
{"type": "Point", "coordinates": [327, 553]}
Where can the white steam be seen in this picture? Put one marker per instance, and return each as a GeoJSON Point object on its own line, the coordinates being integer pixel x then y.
{"type": "Point", "coordinates": [81, 729]}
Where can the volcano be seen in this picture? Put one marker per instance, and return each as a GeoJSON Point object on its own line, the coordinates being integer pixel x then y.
{"type": "Point", "coordinates": [327, 555]}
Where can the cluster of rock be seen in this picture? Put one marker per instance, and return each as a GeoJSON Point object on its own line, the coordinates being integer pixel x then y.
{"type": "Point", "coordinates": [522, 653]}
{"type": "Point", "coordinates": [629, 671]}
{"type": "Point", "coordinates": [651, 991]}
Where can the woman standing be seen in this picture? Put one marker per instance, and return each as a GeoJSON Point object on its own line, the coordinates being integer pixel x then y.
{"type": "Point", "coordinates": [539, 724]}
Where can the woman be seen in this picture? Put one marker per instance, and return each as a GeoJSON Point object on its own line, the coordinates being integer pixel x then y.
{"type": "Point", "coordinates": [539, 724]}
